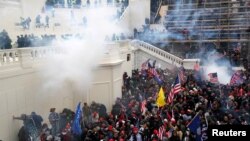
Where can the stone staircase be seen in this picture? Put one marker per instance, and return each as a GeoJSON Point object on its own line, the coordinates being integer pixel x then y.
{"type": "Point", "coordinates": [145, 51]}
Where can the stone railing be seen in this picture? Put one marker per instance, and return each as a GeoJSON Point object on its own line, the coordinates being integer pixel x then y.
{"type": "Point", "coordinates": [24, 57]}
{"type": "Point", "coordinates": [163, 55]}
{"type": "Point", "coordinates": [124, 12]}
{"type": "Point", "coordinates": [9, 56]}
{"type": "Point", "coordinates": [30, 56]}
{"type": "Point", "coordinates": [10, 3]}
{"type": "Point", "coordinates": [157, 52]}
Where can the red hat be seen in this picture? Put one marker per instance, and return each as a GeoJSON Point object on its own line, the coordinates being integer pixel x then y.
{"type": "Point", "coordinates": [135, 129]}
{"type": "Point", "coordinates": [110, 128]}
{"type": "Point", "coordinates": [155, 132]}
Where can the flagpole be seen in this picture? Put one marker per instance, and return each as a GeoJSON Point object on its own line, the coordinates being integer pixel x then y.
{"type": "Point", "coordinates": [206, 120]}
{"type": "Point", "coordinates": [192, 119]}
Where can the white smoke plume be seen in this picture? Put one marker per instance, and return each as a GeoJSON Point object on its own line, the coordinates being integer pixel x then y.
{"type": "Point", "coordinates": [80, 56]}
{"type": "Point", "coordinates": [222, 67]}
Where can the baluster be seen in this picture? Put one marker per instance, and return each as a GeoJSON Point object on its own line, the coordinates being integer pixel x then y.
{"type": "Point", "coordinates": [4, 58]}
{"type": "Point", "coordinates": [32, 54]}
{"type": "Point", "coordinates": [35, 54]}
{"type": "Point", "coordinates": [1, 58]}
{"type": "Point", "coordinates": [16, 57]}
{"type": "Point", "coordinates": [11, 57]}
{"type": "Point", "coordinates": [8, 57]}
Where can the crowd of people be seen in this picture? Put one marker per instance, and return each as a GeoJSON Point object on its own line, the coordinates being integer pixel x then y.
{"type": "Point", "coordinates": [34, 41]}
{"type": "Point", "coordinates": [5, 41]}
{"type": "Point", "coordinates": [136, 116]}
{"type": "Point", "coordinates": [47, 40]}
{"type": "Point", "coordinates": [117, 37]}
{"type": "Point", "coordinates": [61, 3]}
{"type": "Point", "coordinates": [80, 3]}
{"type": "Point", "coordinates": [24, 22]}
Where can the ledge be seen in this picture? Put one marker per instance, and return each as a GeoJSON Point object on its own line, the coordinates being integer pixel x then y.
{"type": "Point", "coordinates": [111, 63]}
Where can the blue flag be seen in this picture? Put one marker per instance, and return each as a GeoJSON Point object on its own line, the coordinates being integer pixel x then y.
{"type": "Point", "coordinates": [195, 124]}
{"type": "Point", "coordinates": [76, 127]}
{"type": "Point", "coordinates": [150, 65]}
{"type": "Point", "coordinates": [158, 80]}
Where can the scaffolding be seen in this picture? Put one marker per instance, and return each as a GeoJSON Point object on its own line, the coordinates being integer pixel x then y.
{"type": "Point", "coordinates": [223, 23]}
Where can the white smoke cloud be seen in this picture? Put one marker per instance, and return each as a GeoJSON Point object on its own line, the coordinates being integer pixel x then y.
{"type": "Point", "coordinates": [80, 56]}
{"type": "Point", "coordinates": [223, 68]}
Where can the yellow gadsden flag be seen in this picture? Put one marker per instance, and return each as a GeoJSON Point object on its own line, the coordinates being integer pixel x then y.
{"type": "Point", "coordinates": [161, 98]}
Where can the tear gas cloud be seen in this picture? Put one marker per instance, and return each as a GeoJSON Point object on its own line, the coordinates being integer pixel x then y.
{"type": "Point", "coordinates": [213, 64]}
{"type": "Point", "coordinates": [75, 64]}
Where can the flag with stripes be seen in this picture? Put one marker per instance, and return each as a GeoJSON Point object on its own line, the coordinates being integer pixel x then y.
{"type": "Point", "coordinates": [236, 78]}
{"type": "Point", "coordinates": [213, 77]}
{"type": "Point", "coordinates": [181, 73]}
{"type": "Point", "coordinates": [176, 88]}
{"type": "Point", "coordinates": [162, 130]}
{"type": "Point", "coordinates": [197, 66]}
{"type": "Point", "coordinates": [144, 65]}
{"type": "Point", "coordinates": [153, 72]}
{"type": "Point", "coordinates": [143, 106]}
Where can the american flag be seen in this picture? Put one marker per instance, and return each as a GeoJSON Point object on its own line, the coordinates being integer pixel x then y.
{"type": "Point", "coordinates": [213, 78]}
{"type": "Point", "coordinates": [153, 72]}
{"type": "Point", "coordinates": [176, 88]}
{"type": "Point", "coordinates": [143, 106]}
{"type": "Point", "coordinates": [181, 73]}
{"type": "Point", "coordinates": [236, 78]}
{"type": "Point", "coordinates": [162, 130]}
{"type": "Point", "coordinates": [144, 65]}
{"type": "Point", "coordinates": [197, 66]}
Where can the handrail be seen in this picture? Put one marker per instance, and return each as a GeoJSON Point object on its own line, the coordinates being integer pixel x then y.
{"type": "Point", "coordinates": [208, 27]}
{"type": "Point", "coordinates": [207, 14]}
{"type": "Point", "coordinates": [222, 2]}
{"type": "Point", "coordinates": [163, 55]}
{"type": "Point", "coordinates": [148, 47]}
{"type": "Point", "coordinates": [213, 20]}
{"type": "Point", "coordinates": [216, 8]}
{"type": "Point", "coordinates": [123, 14]}
{"type": "Point", "coordinates": [207, 41]}
{"type": "Point", "coordinates": [158, 10]}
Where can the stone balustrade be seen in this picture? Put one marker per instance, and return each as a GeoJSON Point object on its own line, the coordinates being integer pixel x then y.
{"type": "Point", "coordinates": [27, 57]}
{"type": "Point", "coordinates": [163, 55]}
{"type": "Point", "coordinates": [24, 57]}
